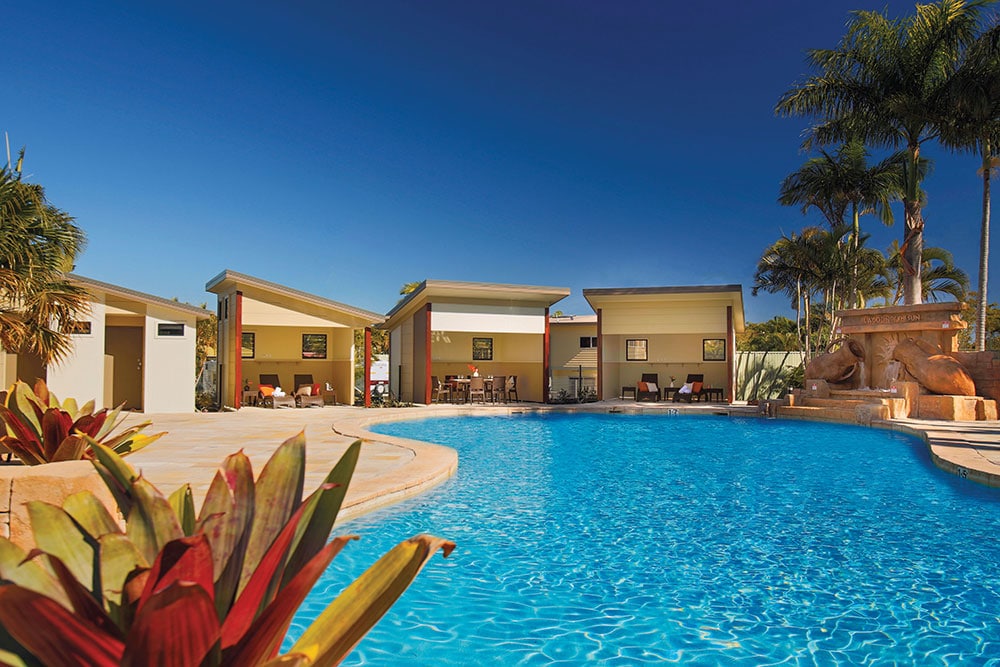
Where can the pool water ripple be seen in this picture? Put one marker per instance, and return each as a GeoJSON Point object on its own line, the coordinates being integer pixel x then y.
{"type": "Point", "coordinates": [620, 539]}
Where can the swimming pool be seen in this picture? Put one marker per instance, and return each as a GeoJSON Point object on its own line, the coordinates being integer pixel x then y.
{"type": "Point", "coordinates": [628, 539]}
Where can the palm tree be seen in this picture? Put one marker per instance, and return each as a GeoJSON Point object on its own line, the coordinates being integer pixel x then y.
{"type": "Point", "coordinates": [844, 183]}
{"type": "Point", "coordinates": [884, 84]}
{"type": "Point", "coordinates": [38, 244]}
{"type": "Point", "coordinates": [940, 275]}
{"type": "Point", "coordinates": [973, 124]}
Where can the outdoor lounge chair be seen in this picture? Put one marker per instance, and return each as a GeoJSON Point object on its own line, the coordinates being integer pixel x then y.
{"type": "Point", "coordinates": [651, 382]}
{"type": "Point", "coordinates": [697, 382]}
{"type": "Point", "coordinates": [307, 392]}
{"type": "Point", "coordinates": [267, 398]}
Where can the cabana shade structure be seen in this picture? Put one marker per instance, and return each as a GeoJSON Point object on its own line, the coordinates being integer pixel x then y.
{"type": "Point", "coordinates": [670, 331]}
{"type": "Point", "coordinates": [131, 348]}
{"type": "Point", "coordinates": [268, 328]}
{"type": "Point", "coordinates": [444, 327]}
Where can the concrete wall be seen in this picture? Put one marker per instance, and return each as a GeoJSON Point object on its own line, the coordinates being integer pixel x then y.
{"type": "Point", "coordinates": [168, 364]}
{"type": "Point", "coordinates": [81, 375]}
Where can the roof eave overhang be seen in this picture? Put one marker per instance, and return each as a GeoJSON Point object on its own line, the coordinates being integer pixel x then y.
{"type": "Point", "coordinates": [428, 290]}
{"type": "Point", "coordinates": [286, 297]}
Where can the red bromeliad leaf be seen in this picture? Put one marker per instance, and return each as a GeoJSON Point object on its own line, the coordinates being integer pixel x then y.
{"type": "Point", "coordinates": [70, 449]}
{"type": "Point", "coordinates": [176, 627]}
{"type": "Point", "coordinates": [347, 619]}
{"type": "Point", "coordinates": [82, 600]}
{"type": "Point", "coordinates": [188, 559]}
{"type": "Point", "coordinates": [55, 429]}
{"type": "Point", "coordinates": [260, 589]}
{"type": "Point", "coordinates": [226, 518]}
{"type": "Point", "coordinates": [321, 511]}
{"type": "Point", "coordinates": [19, 429]}
{"type": "Point", "coordinates": [90, 425]}
{"type": "Point", "coordinates": [277, 495]}
{"type": "Point", "coordinates": [152, 522]}
{"type": "Point", "coordinates": [264, 637]}
{"type": "Point", "coordinates": [53, 634]}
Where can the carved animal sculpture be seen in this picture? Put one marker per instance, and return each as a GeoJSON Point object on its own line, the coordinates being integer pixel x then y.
{"type": "Point", "coordinates": [935, 371]}
{"type": "Point", "coordinates": [838, 365]}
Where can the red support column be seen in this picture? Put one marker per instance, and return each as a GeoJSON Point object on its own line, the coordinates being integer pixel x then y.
{"type": "Point", "coordinates": [545, 360]}
{"type": "Point", "coordinates": [731, 359]}
{"type": "Point", "coordinates": [428, 361]}
{"type": "Point", "coordinates": [600, 358]}
{"type": "Point", "coordinates": [238, 354]}
{"type": "Point", "coordinates": [368, 367]}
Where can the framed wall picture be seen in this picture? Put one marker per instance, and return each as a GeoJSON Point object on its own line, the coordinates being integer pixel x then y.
{"type": "Point", "coordinates": [248, 345]}
{"type": "Point", "coordinates": [713, 349]}
{"type": "Point", "coordinates": [636, 349]}
{"type": "Point", "coordinates": [482, 349]}
{"type": "Point", "coordinates": [314, 346]}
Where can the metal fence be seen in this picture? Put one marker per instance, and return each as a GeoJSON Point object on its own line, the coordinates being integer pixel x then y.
{"type": "Point", "coordinates": [764, 375]}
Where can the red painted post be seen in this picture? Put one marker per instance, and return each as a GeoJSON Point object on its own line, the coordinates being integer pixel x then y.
{"type": "Point", "coordinates": [600, 358]}
{"type": "Point", "coordinates": [545, 360]}
{"type": "Point", "coordinates": [238, 356]}
{"type": "Point", "coordinates": [368, 367]}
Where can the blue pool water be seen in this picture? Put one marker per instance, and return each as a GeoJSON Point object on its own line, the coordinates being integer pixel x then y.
{"type": "Point", "coordinates": [617, 539]}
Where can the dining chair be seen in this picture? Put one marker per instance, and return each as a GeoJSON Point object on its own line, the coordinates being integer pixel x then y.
{"type": "Point", "coordinates": [499, 393]}
{"type": "Point", "coordinates": [512, 389]}
{"type": "Point", "coordinates": [477, 387]}
{"type": "Point", "coordinates": [440, 389]}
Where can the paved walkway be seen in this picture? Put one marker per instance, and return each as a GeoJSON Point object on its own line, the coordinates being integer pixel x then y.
{"type": "Point", "coordinates": [391, 469]}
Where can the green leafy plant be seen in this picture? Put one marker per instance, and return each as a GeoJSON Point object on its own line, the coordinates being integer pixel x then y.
{"type": "Point", "coordinates": [38, 429]}
{"type": "Point", "coordinates": [219, 587]}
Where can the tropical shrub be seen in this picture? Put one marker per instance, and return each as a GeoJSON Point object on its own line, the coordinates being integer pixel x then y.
{"type": "Point", "coordinates": [38, 429]}
{"type": "Point", "coordinates": [219, 587]}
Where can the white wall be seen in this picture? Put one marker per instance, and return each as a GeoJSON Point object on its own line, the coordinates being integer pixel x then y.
{"type": "Point", "coordinates": [81, 374]}
{"type": "Point", "coordinates": [168, 368]}
{"type": "Point", "coordinates": [487, 318]}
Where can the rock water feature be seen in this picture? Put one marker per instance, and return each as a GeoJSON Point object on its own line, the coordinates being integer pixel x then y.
{"type": "Point", "coordinates": [895, 362]}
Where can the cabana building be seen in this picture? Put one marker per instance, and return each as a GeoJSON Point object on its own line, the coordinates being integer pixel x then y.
{"type": "Point", "coordinates": [131, 348]}
{"type": "Point", "coordinates": [669, 331]}
{"type": "Point", "coordinates": [266, 328]}
{"type": "Point", "coordinates": [446, 328]}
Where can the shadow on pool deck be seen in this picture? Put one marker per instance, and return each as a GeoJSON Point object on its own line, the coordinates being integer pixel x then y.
{"type": "Point", "coordinates": [391, 469]}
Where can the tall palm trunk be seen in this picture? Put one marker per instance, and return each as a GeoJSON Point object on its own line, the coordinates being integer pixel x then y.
{"type": "Point", "coordinates": [913, 240]}
{"type": "Point", "coordinates": [984, 247]}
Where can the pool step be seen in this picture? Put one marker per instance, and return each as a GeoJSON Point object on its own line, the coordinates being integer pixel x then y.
{"type": "Point", "coordinates": [831, 414]}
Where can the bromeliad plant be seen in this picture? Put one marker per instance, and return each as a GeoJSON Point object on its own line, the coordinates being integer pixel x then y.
{"type": "Point", "coordinates": [218, 587]}
{"type": "Point", "coordinates": [38, 429]}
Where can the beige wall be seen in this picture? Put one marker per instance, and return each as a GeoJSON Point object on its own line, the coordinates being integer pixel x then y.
{"type": "Point", "coordinates": [669, 354]}
{"type": "Point", "coordinates": [279, 350]}
{"type": "Point", "coordinates": [568, 360]}
{"type": "Point", "coordinates": [684, 317]}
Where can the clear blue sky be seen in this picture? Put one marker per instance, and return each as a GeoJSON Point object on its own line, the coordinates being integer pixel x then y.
{"type": "Point", "coordinates": [347, 148]}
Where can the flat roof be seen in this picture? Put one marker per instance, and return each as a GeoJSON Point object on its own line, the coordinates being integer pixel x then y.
{"type": "Point", "coordinates": [530, 294]}
{"type": "Point", "coordinates": [599, 297]}
{"type": "Point", "coordinates": [270, 292]}
{"type": "Point", "coordinates": [132, 295]}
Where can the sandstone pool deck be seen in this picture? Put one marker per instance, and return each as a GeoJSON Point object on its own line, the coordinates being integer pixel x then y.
{"type": "Point", "coordinates": [391, 469]}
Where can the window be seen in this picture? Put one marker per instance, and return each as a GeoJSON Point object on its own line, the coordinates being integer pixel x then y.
{"type": "Point", "coordinates": [588, 341]}
{"type": "Point", "coordinates": [482, 349]}
{"type": "Point", "coordinates": [713, 349]}
{"type": "Point", "coordinates": [635, 349]}
{"type": "Point", "coordinates": [248, 344]}
{"type": "Point", "coordinates": [170, 329]}
{"type": "Point", "coordinates": [314, 346]}
{"type": "Point", "coordinates": [81, 328]}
